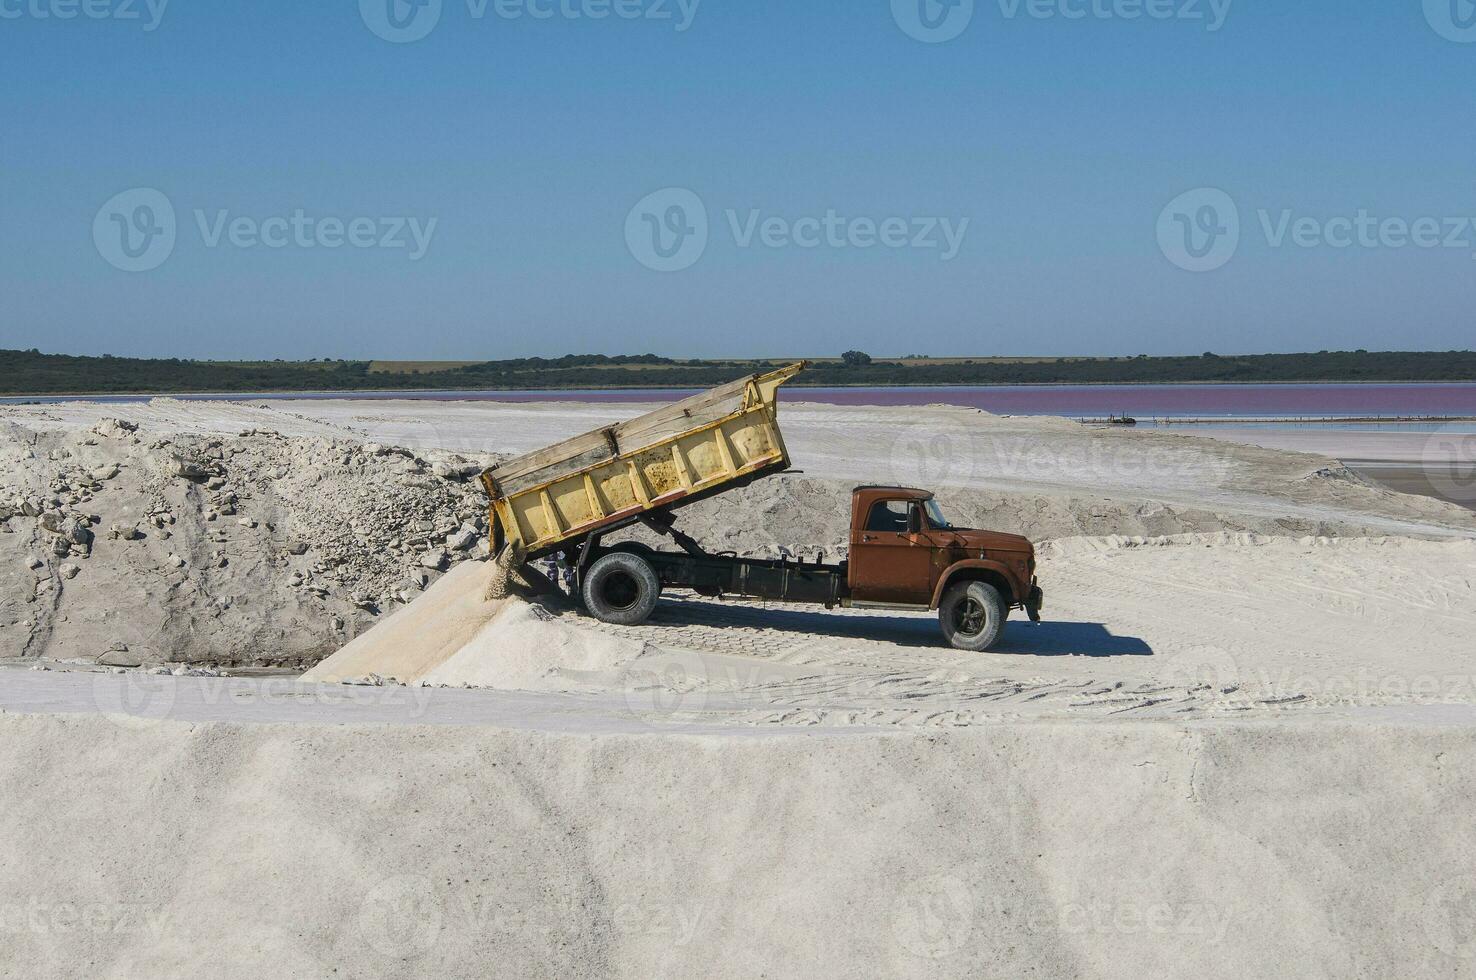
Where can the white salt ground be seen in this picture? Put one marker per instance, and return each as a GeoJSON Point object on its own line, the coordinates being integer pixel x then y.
{"type": "Point", "coordinates": [1223, 755]}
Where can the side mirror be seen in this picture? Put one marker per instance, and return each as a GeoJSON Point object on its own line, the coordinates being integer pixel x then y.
{"type": "Point", "coordinates": [914, 520]}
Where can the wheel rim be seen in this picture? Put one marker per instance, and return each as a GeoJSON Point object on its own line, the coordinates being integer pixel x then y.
{"type": "Point", "coordinates": [970, 616]}
{"type": "Point", "coordinates": [620, 590]}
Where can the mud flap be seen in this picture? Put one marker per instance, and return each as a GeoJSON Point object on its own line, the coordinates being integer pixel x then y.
{"type": "Point", "coordinates": [1034, 603]}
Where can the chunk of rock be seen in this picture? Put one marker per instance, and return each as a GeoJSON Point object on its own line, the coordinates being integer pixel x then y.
{"type": "Point", "coordinates": [457, 470]}
{"type": "Point", "coordinates": [191, 470]}
{"type": "Point", "coordinates": [70, 571]}
{"type": "Point", "coordinates": [176, 561]}
{"type": "Point", "coordinates": [436, 559]}
{"type": "Point", "coordinates": [115, 428]}
{"type": "Point", "coordinates": [462, 539]}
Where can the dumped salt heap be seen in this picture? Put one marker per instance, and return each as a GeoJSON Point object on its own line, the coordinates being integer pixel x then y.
{"type": "Point", "coordinates": [526, 647]}
{"type": "Point", "coordinates": [455, 636]}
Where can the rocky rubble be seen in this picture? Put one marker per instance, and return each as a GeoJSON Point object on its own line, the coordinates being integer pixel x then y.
{"type": "Point", "coordinates": [257, 548]}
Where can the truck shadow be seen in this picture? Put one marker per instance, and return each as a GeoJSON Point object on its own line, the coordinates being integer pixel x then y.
{"type": "Point", "coordinates": [1023, 638]}
{"type": "Point", "coordinates": [1070, 640]}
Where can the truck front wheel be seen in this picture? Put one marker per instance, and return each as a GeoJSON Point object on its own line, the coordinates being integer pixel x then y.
{"type": "Point", "coordinates": [972, 615]}
{"type": "Point", "coordinates": [621, 588]}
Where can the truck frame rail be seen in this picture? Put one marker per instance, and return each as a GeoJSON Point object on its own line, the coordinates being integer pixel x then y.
{"type": "Point", "coordinates": [776, 579]}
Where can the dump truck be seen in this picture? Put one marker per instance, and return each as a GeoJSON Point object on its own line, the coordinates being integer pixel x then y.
{"type": "Point", "coordinates": [571, 498]}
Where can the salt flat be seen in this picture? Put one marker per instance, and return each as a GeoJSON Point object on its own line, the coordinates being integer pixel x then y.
{"type": "Point", "coordinates": [1240, 745]}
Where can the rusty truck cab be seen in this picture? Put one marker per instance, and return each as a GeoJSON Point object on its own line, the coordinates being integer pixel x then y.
{"type": "Point", "coordinates": [905, 552]}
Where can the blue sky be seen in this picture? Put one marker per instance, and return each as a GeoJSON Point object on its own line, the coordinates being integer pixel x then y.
{"type": "Point", "coordinates": [865, 182]}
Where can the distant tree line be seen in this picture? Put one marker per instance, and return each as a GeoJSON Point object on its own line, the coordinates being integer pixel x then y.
{"type": "Point", "coordinates": [34, 373]}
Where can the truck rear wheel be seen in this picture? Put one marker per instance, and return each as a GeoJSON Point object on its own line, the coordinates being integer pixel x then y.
{"type": "Point", "coordinates": [972, 615]}
{"type": "Point", "coordinates": [621, 588]}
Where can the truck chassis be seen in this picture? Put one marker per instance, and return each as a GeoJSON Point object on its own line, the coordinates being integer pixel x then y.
{"type": "Point", "coordinates": [779, 580]}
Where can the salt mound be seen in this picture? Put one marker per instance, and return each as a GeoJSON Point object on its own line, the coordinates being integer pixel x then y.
{"type": "Point", "coordinates": [246, 549]}
{"type": "Point", "coordinates": [526, 647]}
{"type": "Point", "coordinates": [421, 636]}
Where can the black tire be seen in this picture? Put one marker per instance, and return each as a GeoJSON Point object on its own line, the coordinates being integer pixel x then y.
{"type": "Point", "coordinates": [973, 616]}
{"type": "Point", "coordinates": [621, 588]}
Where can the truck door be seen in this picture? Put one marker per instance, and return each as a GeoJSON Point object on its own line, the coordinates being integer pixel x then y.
{"type": "Point", "coordinates": [889, 563]}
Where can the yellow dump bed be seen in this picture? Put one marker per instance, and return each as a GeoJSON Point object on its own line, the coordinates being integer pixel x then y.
{"type": "Point", "coordinates": [684, 452]}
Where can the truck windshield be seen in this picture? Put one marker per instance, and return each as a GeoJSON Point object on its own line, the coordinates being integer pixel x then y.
{"type": "Point", "coordinates": [935, 515]}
